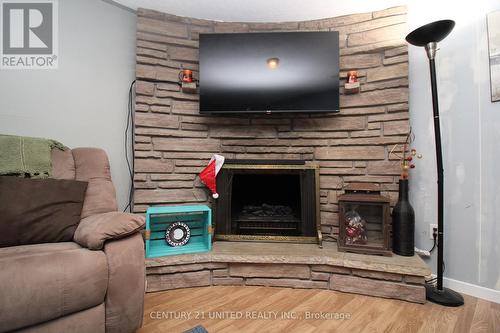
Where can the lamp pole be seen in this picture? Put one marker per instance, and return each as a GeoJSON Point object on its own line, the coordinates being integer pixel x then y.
{"type": "Point", "coordinates": [431, 54]}
{"type": "Point", "coordinates": [428, 36]}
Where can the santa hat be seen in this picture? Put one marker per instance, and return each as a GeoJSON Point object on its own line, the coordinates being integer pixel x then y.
{"type": "Point", "coordinates": [209, 174]}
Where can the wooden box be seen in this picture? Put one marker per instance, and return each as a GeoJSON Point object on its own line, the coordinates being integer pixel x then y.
{"type": "Point", "coordinates": [158, 219]}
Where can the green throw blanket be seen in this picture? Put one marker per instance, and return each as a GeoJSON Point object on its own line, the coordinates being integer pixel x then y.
{"type": "Point", "coordinates": [21, 155]}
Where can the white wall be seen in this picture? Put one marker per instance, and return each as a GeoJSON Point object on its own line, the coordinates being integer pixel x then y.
{"type": "Point", "coordinates": [84, 102]}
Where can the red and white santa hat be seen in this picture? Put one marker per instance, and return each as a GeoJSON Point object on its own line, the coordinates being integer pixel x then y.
{"type": "Point", "coordinates": [209, 174]}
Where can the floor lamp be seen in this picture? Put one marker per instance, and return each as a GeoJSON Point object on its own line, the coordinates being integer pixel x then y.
{"type": "Point", "coordinates": [428, 36]}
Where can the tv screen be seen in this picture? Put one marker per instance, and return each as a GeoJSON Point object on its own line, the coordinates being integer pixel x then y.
{"type": "Point", "coordinates": [269, 72]}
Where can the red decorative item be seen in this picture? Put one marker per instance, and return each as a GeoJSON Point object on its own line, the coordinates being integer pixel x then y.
{"type": "Point", "coordinates": [352, 76]}
{"type": "Point", "coordinates": [352, 84]}
{"type": "Point", "coordinates": [186, 76]}
{"type": "Point", "coordinates": [208, 176]}
{"type": "Point", "coordinates": [351, 232]}
{"type": "Point", "coordinates": [355, 229]}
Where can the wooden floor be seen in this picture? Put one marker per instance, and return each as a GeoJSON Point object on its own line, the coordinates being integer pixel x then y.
{"type": "Point", "coordinates": [263, 309]}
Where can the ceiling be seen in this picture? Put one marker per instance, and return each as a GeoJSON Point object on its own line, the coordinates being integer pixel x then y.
{"type": "Point", "coordinates": [261, 10]}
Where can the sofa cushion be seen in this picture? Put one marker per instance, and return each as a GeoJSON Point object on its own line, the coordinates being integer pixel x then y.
{"type": "Point", "coordinates": [47, 247]}
{"type": "Point", "coordinates": [47, 281]}
{"type": "Point", "coordinates": [37, 211]}
{"type": "Point", "coordinates": [87, 321]}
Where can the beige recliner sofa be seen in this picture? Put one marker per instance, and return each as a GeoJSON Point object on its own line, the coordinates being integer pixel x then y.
{"type": "Point", "coordinates": [93, 284]}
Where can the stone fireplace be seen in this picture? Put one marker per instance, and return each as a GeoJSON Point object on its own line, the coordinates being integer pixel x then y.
{"type": "Point", "coordinates": [268, 201]}
{"type": "Point", "coordinates": [173, 143]}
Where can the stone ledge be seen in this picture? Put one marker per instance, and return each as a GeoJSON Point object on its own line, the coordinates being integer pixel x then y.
{"type": "Point", "coordinates": [292, 266]}
{"type": "Point", "coordinates": [289, 283]}
{"type": "Point", "coordinates": [227, 281]}
{"type": "Point", "coordinates": [386, 289]}
{"type": "Point", "coordinates": [305, 254]}
{"type": "Point", "coordinates": [270, 270]}
{"type": "Point", "coordinates": [157, 282]}
{"type": "Point", "coordinates": [185, 268]}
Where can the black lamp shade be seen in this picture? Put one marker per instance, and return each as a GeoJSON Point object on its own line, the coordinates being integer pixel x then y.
{"type": "Point", "coordinates": [432, 32]}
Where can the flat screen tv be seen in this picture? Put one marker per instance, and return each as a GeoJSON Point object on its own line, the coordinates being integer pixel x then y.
{"type": "Point", "coordinates": [269, 72]}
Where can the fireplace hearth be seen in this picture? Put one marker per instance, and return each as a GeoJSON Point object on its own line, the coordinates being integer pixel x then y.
{"type": "Point", "coordinates": [268, 201]}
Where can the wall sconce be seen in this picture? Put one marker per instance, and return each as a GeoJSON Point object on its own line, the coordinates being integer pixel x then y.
{"type": "Point", "coordinates": [188, 84]}
{"type": "Point", "coordinates": [351, 85]}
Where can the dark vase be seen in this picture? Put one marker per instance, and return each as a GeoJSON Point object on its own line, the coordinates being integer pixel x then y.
{"type": "Point", "coordinates": [403, 223]}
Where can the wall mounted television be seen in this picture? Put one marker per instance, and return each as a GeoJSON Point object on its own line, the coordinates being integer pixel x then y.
{"type": "Point", "coordinates": [269, 72]}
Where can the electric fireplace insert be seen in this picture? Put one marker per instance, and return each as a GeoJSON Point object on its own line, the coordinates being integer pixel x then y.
{"type": "Point", "coordinates": [263, 201]}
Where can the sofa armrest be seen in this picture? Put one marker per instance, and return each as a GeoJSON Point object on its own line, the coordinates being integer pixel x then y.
{"type": "Point", "coordinates": [126, 285]}
{"type": "Point", "coordinates": [94, 230]}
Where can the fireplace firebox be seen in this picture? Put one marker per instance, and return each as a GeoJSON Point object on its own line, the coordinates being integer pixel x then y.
{"type": "Point", "coordinates": [268, 201]}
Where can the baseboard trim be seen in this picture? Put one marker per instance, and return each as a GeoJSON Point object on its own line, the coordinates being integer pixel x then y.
{"type": "Point", "coordinates": [488, 294]}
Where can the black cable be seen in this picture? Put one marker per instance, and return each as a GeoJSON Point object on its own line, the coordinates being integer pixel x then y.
{"type": "Point", "coordinates": [433, 246]}
{"type": "Point", "coordinates": [131, 168]}
{"type": "Point", "coordinates": [131, 123]}
{"type": "Point", "coordinates": [434, 279]}
{"type": "Point", "coordinates": [434, 236]}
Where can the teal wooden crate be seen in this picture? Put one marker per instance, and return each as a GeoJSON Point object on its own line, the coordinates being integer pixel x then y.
{"type": "Point", "coordinates": [158, 219]}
